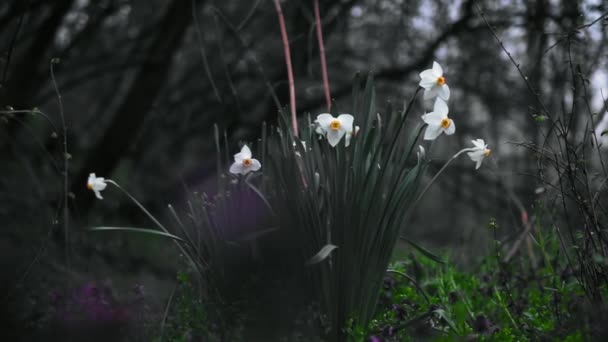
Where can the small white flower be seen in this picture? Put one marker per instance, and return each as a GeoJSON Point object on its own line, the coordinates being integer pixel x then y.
{"type": "Point", "coordinates": [243, 163]}
{"type": "Point", "coordinates": [335, 128]}
{"type": "Point", "coordinates": [349, 135]}
{"type": "Point", "coordinates": [96, 184]}
{"type": "Point", "coordinates": [479, 152]}
{"type": "Point", "coordinates": [434, 83]}
{"type": "Point", "coordinates": [438, 121]}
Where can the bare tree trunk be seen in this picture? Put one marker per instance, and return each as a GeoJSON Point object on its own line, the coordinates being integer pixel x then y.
{"type": "Point", "coordinates": [147, 84]}
{"type": "Point", "coordinates": [32, 63]}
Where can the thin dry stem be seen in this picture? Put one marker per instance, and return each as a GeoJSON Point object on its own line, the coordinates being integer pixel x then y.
{"type": "Point", "coordinates": [292, 91]}
{"type": "Point", "coordinates": [66, 166]}
{"type": "Point", "coordinates": [322, 55]}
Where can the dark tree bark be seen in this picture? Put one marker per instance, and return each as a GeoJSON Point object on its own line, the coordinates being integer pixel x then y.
{"type": "Point", "coordinates": [25, 77]}
{"type": "Point", "coordinates": [138, 102]}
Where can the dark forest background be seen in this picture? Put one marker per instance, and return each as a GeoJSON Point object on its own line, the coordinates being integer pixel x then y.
{"type": "Point", "coordinates": [142, 84]}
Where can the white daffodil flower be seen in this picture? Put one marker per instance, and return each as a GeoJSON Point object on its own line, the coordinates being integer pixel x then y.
{"type": "Point", "coordinates": [438, 121]}
{"type": "Point", "coordinates": [335, 128]}
{"type": "Point", "coordinates": [434, 83]}
{"type": "Point", "coordinates": [96, 184]}
{"type": "Point", "coordinates": [349, 135]}
{"type": "Point", "coordinates": [243, 163]}
{"type": "Point", "coordinates": [479, 152]}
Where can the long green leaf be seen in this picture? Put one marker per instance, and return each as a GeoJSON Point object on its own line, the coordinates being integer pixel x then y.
{"type": "Point", "coordinates": [138, 230]}
{"type": "Point", "coordinates": [424, 251]}
{"type": "Point", "coordinates": [322, 255]}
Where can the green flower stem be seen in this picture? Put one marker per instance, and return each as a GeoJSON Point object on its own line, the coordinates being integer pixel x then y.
{"type": "Point", "coordinates": [440, 172]}
{"type": "Point", "coordinates": [411, 280]}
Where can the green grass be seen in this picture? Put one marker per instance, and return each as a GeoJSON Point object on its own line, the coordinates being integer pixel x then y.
{"type": "Point", "coordinates": [494, 302]}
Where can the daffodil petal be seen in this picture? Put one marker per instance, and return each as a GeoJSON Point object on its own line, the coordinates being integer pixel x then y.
{"type": "Point", "coordinates": [441, 108]}
{"type": "Point", "coordinates": [437, 69]}
{"type": "Point", "coordinates": [427, 79]}
{"type": "Point", "coordinates": [444, 92]}
{"type": "Point", "coordinates": [324, 120]}
{"type": "Point", "coordinates": [255, 165]}
{"type": "Point", "coordinates": [430, 93]}
{"type": "Point", "coordinates": [239, 157]}
{"type": "Point", "coordinates": [476, 155]}
{"type": "Point", "coordinates": [347, 122]}
{"type": "Point", "coordinates": [428, 73]}
{"type": "Point", "coordinates": [432, 119]}
{"type": "Point", "coordinates": [245, 152]}
{"type": "Point", "coordinates": [334, 137]}
{"type": "Point", "coordinates": [451, 129]}
{"type": "Point", "coordinates": [98, 194]}
{"type": "Point", "coordinates": [347, 138]}
{"type": "Point", "coordinates": [236, 167]}
{"type": "Point", "coordinates": [479, 143]}
{"type": "Point", "coordinates": [432, 132]}
{"type": "Point", "coordinates": [427, 83]}
{"type": "Point", "coordinates": [100, 184]}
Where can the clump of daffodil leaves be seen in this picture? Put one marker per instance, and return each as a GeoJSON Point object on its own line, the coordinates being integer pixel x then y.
{"type": "Point", "coordinates": [346, 203]}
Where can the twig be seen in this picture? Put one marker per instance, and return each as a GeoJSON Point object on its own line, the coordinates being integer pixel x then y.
{"type": "Point", "coordinates": [292, 92]}
{"type": "Point", "coordinates": [11, 48]}
{"type": "Point", "coordinates": [248, 16]}
{"type": "Point", "coordinates": [166, 312]}
{"type": "Point", "coordinates": [32, 111]}
{"type": "Point", "coordinates": [322, 54]}
{"type": "Point", "coordinates": [584, 26]}
{"type": "Point", "coordinates": [517, 244]}
{"type": "Point", "coordinates": [253, 57]}
{"type": "Point", "coordinates": [66, 164]}
{"type": "Point", "coordinates": [199, 37]}
{"type": "Point", "coordinates": [521, 73]}
{"type": "Point", "coordinates": [226, 68]}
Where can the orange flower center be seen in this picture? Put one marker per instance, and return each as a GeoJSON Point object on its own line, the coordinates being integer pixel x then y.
{"type": "Point", "coordinates": [445, 123]}
{"type": "Point", "coordinates": [247, 162]}
{"type": "Point", "coordinates": [89, 185]}
{"type": "Point", "coordinates": [335, 125]}
{"type": "Point", "coordinates": [440, 80]}
{"type": "Point", "coordinates": [488, 152]}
